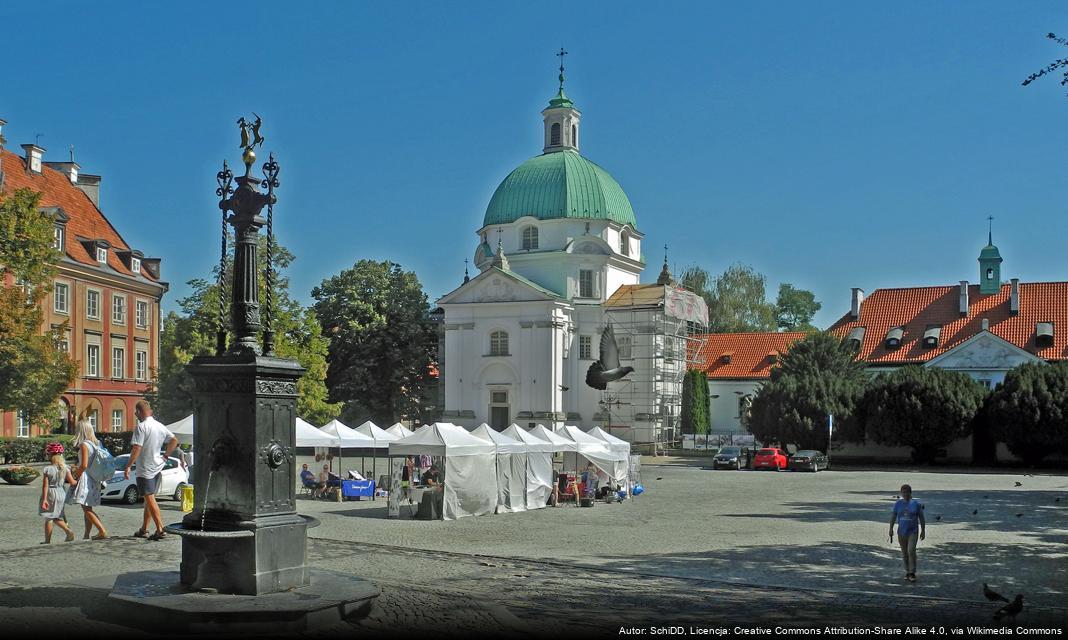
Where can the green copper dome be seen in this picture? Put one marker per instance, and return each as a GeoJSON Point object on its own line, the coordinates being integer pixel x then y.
{"type": "Point", "coordinates": [990, 252]}
{"type": "Point", "coordinates": [561, 184]}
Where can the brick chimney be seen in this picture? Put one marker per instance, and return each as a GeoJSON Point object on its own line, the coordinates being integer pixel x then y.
{"type": "Point", "coordinates": [964, 297]}
{"type": "Point", "coordinates": [858, 299]}
{"type": "Point", "coordinates": [34, 157]}
{"type": "Point", "coordinates": [1014, 297]}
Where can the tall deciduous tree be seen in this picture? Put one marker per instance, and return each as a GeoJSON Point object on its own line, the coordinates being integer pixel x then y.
{"type": "Point", "coordinates": [736, 299]}
{"type": "Point", "coordinates": [924, 408]}
{"type": "Point", "coordinates": [191, 333]}
{"type": "Point", "coordinates": [819, 376]}
{"type": "Point", "coordinates": [33, 370]}
{"type": "Point", "coordinates": [794, 308]}
{"type": "Point", "coordinates": [382, 342]}
{"type": "Point", "coordinates": [1029, 411]}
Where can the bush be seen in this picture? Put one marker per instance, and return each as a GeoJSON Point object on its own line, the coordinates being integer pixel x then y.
{"type": "Point", "coordinates": [19, 475]}
{"type": "Point", "coordinates": [26, 450]}
{"type": "Point", "coordinates": [1029, 411]}
{"type": "Point", "coordinates": [116, 443]}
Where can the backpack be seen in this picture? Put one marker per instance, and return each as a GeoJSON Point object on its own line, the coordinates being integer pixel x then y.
{"type": "Point", "coordinates": [103, 464]}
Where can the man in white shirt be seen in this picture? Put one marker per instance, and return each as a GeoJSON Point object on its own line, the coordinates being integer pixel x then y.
{"type": "Point", "coordinates": [148, 440]}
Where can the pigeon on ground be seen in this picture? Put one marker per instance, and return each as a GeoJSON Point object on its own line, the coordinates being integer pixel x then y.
{"type": "Point", "coordinates": [1019, 515]}
{"type": "Point", "coordinates": [1019, 484]}
{"type": "Point", "coordinates": [992, 595]}
{"type": "Point", "coordinates": [1010, 610]}
{"type": "Point", "coordinates": [938, 517]}
{"type": "Point", "coordinates": [607, 369]}
{"type": "Point", "coordinates": [1056, 499]}
{"type": "Point", "coordinates": [659, 478]}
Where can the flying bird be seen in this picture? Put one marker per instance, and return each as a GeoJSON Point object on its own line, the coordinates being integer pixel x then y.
{"type": "Point", "coordinates": [606, 369]}
{"type": "Point", "coordinates": [938, 517]}
{"type": "Point", "coordinates": [1010, 610]}
{"type": "Point", "coordinates": [992, 595]}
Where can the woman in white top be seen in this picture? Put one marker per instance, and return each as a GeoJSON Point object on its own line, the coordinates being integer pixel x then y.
{"type": "Point", "coordinates": [87, 491]}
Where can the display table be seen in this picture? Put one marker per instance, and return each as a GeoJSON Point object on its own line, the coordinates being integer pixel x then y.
{"type": "Point", "coordinates": [357, 489]}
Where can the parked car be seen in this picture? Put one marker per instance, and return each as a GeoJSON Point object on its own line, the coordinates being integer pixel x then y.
{"type": "Point", "coordinates": [731, 458]}
{"type": "Point", "coordinates": [172, 480]}
{"type": "Point", "coordinates": [808, 459]}
{"type": "Point", "coordinates": [770, 459]}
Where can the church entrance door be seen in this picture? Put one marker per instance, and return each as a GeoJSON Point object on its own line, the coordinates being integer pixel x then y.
{"type": "Point", "coordinates": [499, 410]}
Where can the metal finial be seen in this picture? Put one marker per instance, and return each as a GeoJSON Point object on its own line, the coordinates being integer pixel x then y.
{"type": "Point", "coordinates": [72, 153]}
{"type": "Point", "coordinates": [665, 255]}
{"type": "Point", "coordinates": [467, 277]}
{"type": "Point", "coordinates": [561, 56]}
{"type": "Point", "coordinates": [990, 230]}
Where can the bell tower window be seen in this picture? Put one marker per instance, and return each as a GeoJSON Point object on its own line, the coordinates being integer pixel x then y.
{"type": "Point", "coordinates": [554, 135]}
{"type": "Point", "coordinates": [530, 238]}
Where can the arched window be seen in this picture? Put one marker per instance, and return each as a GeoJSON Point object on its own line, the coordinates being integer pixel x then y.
{"type": "Point", "coordinates": [499, 343]}
{"type": "Point", "coordinates": [554, 135]}
{"type": "Point", "coordinates": [624, 243]}
{"type": "Point", "coordinates": [530, 238]}
{"type": "Point", "coordinates": [989, 274]}
{"type": "Point", "coordinates": [574, 136]}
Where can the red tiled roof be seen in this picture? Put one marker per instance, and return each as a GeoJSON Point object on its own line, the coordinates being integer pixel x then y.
{"type": "Point", "coordinates": [86, 220]}
{"type": "Point", "coordinates": [918, 308]}
{"type": "Point", "coordinates": [750, 353]}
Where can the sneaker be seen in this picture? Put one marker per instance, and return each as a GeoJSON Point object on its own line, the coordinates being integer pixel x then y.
{"type": "Point", "coordinates": [911, 577]}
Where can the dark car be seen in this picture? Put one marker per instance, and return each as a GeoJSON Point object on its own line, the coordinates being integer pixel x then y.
{"type": "Point", "coordinates": [770, 458]}
{"type": "Point", "coordinates": [731, 458]}
{"type": "Point", "coordinates": [808, 460]}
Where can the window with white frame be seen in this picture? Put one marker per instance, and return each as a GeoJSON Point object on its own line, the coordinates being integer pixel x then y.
{"type": "Point", "coordinates": [624, 243]}
{"type": "Point", "coordinates": [585, 283]}
{"type": "Point", "coordinates": [92, 360]}
{"type": "Point", "coordinates": [93, 417]}
{"type": "Point", "coordinates": [61, 297]}
{"type": "Point", "coordinates": [499, 343]}
{"type": "Point", "coordinates": [142, 314]}
{"type": "Point", "coordinates": [101, 255]}
{"type": "Point", "coordinates": [141, 365]}
{"type": "Point", "coordinates": [92, 304]}
{"type": "Point", "coordinates": [530, 238]}
{"type": "Point", "coordinates": [116, 420]}
{"type": "Point", "coordinates": [586, 347]}
{"type": "Point", "coordinates": [624, 343]}
{"type": "Point", "coordinates": [118, 309]}
{"type": "Point", "coordinates": [135, 265]}
{"type": "Point", "coordinates": [59, 235]}
{"type": "Point", "coordinates": [118, 362]}
{"type": "Point", "coordinates": [22, 425]}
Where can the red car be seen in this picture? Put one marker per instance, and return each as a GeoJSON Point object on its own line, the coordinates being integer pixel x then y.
{"type": "Point", "coordinates": [770, 459]}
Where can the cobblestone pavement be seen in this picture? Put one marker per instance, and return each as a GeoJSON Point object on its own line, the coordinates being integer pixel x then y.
{"type": "Point", "coordinates": [700, 548]}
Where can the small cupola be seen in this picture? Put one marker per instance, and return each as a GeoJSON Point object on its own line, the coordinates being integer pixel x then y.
{"type": "Point", "coordinates": [561, 118]}
{"type": "Point", "coordinates": [989, 264]}
{"type": "Point", "coordinates": [34, 157]}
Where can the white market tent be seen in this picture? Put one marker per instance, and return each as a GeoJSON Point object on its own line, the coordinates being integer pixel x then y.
{"type": "Point", "coordinates": [183, 429]}
{"type": "Point", "coordinates": [470, 477]}
{"type": "Point", "coordinates": [615, 444]}
{"type": "Point", "coordinates": [595, 451]}
{"type": "Point", "coordinates": [399, 430]}
{"type": "Point", "coordinates": [511, 469]}
{"type": "Point", "coordinates": [309, 436]}
{"type": "Point", "coordinates": [558, 442]}
{"type": "Point", "coordinates": [348, 438]}
{"type": "Point", "coordinates": [381, 437]}
{"type": "Point", "coordinates": [539, 466]}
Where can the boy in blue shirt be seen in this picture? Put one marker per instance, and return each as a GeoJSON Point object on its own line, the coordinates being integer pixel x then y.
{"type": "Point", "coordinates": [908, 513]}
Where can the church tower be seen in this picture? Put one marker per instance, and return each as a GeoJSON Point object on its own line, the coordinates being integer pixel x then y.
{"type": "Point", "coordinates": [989, 265]}
{"type": "Point", "coordinates": [561, 118]}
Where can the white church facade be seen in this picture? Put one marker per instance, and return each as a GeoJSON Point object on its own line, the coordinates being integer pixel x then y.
{"type": "Point", "coordinates": [558, 239]}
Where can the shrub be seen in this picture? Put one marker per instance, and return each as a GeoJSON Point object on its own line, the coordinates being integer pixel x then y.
{"type": "Point", "coordinates": [19, 475]}
{"type": "Point", "coordinates": [1029, 411]}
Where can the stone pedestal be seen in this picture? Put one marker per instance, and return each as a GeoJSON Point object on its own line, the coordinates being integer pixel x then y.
{"type": "Point", "coordinates": [244, 535]}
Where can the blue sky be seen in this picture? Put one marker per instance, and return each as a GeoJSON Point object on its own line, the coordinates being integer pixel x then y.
{"type": "Point", "coordinates": [827, 144]}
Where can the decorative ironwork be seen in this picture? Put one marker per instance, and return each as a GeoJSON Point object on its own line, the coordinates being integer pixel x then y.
{"type": "Point", "coordinates": [276, 387]}
{"type": "Point", "coordinates": [275, 454]}
{"type": "Point", "coordinates": [270, 183]}
{"type": "Point", "coordinates": [225, 178]}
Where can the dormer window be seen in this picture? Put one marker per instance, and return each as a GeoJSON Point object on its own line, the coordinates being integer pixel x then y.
{"type": "Point", "coordinates": [59, 237]}
{"type": "Point", "coordinates": [102, 255]}
{"type": "Point", "coordinates": [894, 337]}
{"type": "Point", "coordinates": [1044, 334]}
{"type": "Point", "coordinates": [855, 338]}
{"type": "Point", "coordinates": [931, 336]}
{"type": "Point", "coordinates": [530, 238]}
{"type": "Point", "coordinates": [135, 265]}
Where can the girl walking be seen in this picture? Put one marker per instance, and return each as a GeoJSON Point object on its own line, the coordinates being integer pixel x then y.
{"type": "Point", "coordinates": [87, 491]}
{"type": "Point", "coordinates": [55, 478]}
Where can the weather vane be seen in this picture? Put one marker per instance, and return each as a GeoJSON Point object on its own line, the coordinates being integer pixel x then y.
{"type": "Point", "coordinates": [250, 139]}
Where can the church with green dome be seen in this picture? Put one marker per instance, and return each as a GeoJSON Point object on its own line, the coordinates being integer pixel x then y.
{"type": "Point", "coordinates": [558, 239]}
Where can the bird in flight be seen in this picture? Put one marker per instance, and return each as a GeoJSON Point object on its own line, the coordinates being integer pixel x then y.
{"type": "Point", "coordinates": [992, 595]}
{"type": "Point", "coordinates": [1010, 610]}
{"type": "Point", "coordinates": [607, 369]}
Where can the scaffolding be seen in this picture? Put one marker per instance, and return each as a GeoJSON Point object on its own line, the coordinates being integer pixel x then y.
{"type": "Point", "coordinates": [659, 330]}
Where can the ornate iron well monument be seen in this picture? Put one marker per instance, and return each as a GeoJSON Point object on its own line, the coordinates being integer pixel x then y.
{"type": "Point", "coordinates": [244, 537]}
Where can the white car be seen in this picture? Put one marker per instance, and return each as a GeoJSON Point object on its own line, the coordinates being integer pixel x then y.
{"type": "Point", "coordinates": [172, 480]}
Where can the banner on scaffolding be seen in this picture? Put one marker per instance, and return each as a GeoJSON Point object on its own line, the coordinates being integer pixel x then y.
{"type": "Point", "coordinates": [685, 305]}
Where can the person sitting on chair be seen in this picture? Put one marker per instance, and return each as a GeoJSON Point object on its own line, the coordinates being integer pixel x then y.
{"type": "Point", "coordinates": [327, 481]}
{"type": "Point", "coordinates": [432, 477]}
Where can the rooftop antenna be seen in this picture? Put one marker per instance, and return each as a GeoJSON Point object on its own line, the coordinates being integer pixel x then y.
{"type": "Point", "coordinates": [37, 139]}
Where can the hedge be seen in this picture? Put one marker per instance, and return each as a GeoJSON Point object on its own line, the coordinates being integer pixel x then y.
{"type": "Point", "coordinates": [26, 450]}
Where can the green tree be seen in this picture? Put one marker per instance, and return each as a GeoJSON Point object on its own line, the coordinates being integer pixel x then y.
{"type": "Point", "coordinates": [191, 333]}
{"type": "Point", "coordinates": [382, 342]}
{"type": "Point", "coordinates": [34, 371]}
{"type": "Point", "coordinates": [695, 402]}
{"type": "Point", "coordinates": [794, 308]}
{"type": "Point", "coordinates": [819, 376]}
{"type": "Point", "coordinates": [736, 299]}
{"type": "Point", "coordinates": [1029, 411]}
{"type": "Point", "coordinates": [924, 408]}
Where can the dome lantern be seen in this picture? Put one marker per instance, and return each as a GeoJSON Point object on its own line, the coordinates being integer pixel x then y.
{"type": "Point", "coordinates": [561, 118]}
